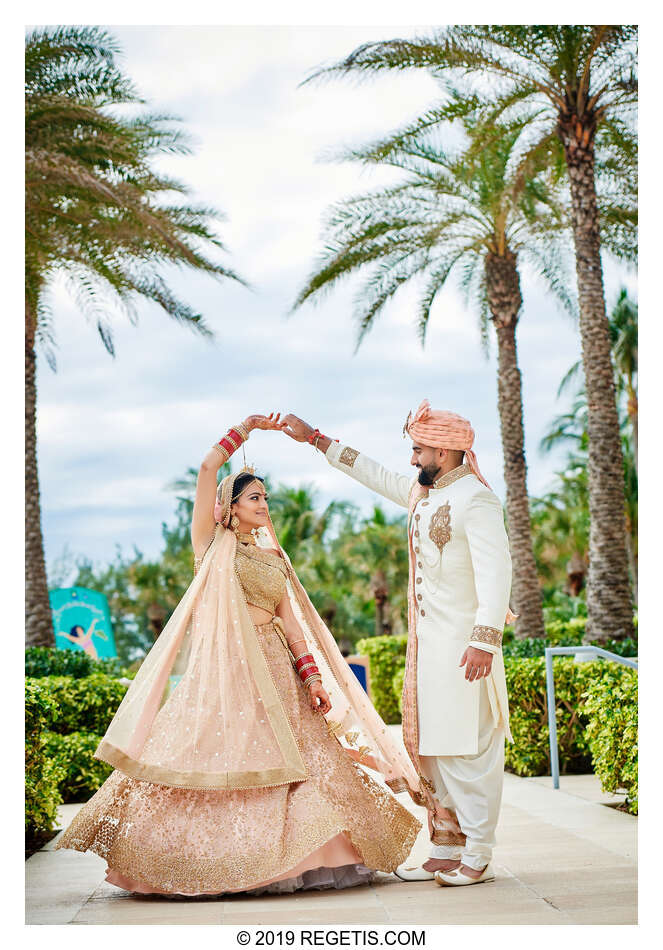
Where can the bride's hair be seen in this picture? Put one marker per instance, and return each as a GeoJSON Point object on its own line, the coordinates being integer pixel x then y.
{"type": "Point", "coordinates": [241, 482]}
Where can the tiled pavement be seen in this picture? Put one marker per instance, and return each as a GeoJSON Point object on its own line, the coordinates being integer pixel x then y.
{"type": "Point", "coordinates": [563, 857]}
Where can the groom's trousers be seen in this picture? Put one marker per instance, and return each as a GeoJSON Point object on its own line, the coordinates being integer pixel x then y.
{"type": "Point", "coordinates": [471, 785]}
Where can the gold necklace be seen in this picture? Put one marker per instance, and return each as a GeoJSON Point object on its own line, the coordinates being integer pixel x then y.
{"type": "Point", "coordinates": [246, 538]}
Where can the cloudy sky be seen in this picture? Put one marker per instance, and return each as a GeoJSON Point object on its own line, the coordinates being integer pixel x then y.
{"type": "Point", "coordinates": [113, 433]}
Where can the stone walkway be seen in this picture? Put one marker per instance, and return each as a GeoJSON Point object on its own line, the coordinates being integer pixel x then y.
{"type": "Point", "coordinates": [563, 857]}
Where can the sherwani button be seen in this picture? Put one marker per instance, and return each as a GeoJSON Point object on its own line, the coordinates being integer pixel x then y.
{"type": "Point", "coordinates": [418, 563]}
{"type": "Point", "coordinates": [418, 580]}
{"type": "Point", "coordinates": [416, 534]}
{"type": "Point", "coordinates": [423, 612]}
{"type": "Point", "coordinates": [418, 596]}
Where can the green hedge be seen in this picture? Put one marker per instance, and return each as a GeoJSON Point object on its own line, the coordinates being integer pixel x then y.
{"type": "Point", "coordinates": [386, 656]}
{"type": "Point", "coordinates": [73, 755]}
{"type": "Point", "coordinates": [86, 704]}
{"type": "Point", "coordinates": [397, 685]}
{"type": "Point", "coordinates": [529, 753]}
{"type": "Point", "coordinates": [47, 661]}
{"type": "Point", "coordinates": [536, 646]}
{"type": "Point", "coordinates": [612, 705]}
{"type": "Point", "coordinates": [65, 717]}
{"type": "Point", "coordinates": [41, 774]}
{"type": "Point", "coordinates": [586, 742]}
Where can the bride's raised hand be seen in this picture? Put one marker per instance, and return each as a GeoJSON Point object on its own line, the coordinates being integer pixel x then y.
{"type": "Point", "coordinates": [272, 421]}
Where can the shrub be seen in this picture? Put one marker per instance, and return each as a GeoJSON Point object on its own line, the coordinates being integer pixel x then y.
{"type": "Point", "coordinates": [573, 629]}
{"type": "Point", "coordinates": [397, 684]}
{"type": "Point", "coordinates": [41, 775]}
{"type": "Point", "coordinates": [612, 706]}
{"type": "Point", "coordinates": [386, 656]}
{"type": "Point", "coordinates": [529, 754]}
{"type": "Point", "coordinates": [47, 661]}
{"type": "Point", "coordinates": [80, 774]}
{"type": "Point", "coordinates": [535, 646]}
{"type": "Point", "coordinates": [86, 704]}
{"type": "Point", "coordinates": [558, 605]}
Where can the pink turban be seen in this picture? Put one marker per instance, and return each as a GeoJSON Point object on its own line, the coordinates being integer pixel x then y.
{"type": "Point", "coordinates": [444, 430]}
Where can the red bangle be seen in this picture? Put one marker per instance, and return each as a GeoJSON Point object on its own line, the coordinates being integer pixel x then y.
{"type": "Point", "coordinates": [305, 658]}
{"type": "Point", "coordinates": [231, 441]}
{"type": "Point", "coordinates": [317, 434]}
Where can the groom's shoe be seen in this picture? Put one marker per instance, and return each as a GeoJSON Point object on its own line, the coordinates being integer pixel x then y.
{"type": "Point", "coordinates": [458, 879]}
{"type": "Point", "coordinates": [420, 873]}
{"type": "Point", "coordinates": [413, 874]}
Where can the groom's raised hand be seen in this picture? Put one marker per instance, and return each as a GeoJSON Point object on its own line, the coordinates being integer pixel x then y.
{"type": "Point", "coordinates": [301, 431]}
{"type": "Point", "coordinates": [296, 428]}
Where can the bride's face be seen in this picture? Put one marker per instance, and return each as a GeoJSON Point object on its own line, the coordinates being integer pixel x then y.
{"type": "Point", "coordinates": [251, 508]}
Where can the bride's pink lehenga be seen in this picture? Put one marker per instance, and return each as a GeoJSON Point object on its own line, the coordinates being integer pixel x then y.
{"type": "Point", "coordinates": [292, 809]}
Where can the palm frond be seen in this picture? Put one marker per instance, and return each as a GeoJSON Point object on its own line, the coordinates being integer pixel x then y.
{"type": "Point", "coordinates": [96, 210]}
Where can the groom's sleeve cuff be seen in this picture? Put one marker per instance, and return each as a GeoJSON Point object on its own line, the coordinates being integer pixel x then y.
{"type": "Point", "coordinates": [486, 638]}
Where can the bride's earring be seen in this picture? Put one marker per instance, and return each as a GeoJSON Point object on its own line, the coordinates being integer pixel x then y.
{"type": "Point", "coordinates": [234, 523]}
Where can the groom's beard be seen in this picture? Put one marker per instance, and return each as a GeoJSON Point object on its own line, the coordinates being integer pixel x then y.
{"type": "Point", "coordinates": [428, 474]}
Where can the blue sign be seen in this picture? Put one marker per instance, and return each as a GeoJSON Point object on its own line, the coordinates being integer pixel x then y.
{"type": "Point", "coordinates": [81, 620]}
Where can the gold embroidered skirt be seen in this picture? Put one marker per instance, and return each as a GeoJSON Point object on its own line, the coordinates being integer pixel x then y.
{"type": "Point", "coordinates": [156, 838]}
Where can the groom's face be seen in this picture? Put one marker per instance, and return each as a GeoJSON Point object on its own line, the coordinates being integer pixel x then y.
{"type": "Point", "coordinates": [428, 462]}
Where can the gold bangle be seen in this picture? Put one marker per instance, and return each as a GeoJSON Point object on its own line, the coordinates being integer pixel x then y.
{"type": "Point", "coordinates": [308, 666]}
{"type": "Point", "coordinates": [243, 431]}
{"type": "Point", "coordinates": [313, 678]}
{"type": "Point", "coordinates": [220, 449]}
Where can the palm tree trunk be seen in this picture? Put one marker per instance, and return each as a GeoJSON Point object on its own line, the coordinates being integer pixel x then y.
{"type": "Point", "coordinates": [38, 620]}
{"type": "Point", "coordinates": [505, 301]}
{"type": "Point", "coordinates": [609, 599]}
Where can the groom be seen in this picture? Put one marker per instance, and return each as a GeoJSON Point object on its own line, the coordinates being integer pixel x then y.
{"type": "Point", "coordinates": [455, 704]}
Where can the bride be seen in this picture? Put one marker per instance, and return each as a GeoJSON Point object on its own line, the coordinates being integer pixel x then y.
{"type": "Point", "coordinates": [228, 775]}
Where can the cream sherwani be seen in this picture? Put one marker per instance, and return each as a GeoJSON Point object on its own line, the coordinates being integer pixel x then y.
{"type": "Point", "coordinates": [462, 581]}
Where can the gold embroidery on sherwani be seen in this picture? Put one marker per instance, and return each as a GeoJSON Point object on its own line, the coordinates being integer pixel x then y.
{"type": "Point", "coordinates": [348, 456]}
{"type": "Point", "coordinates": [440, 527]}
{"type": "Point", "coordinates": [452, 476]}
{"type": "Point", "coordinates": [487, 635]}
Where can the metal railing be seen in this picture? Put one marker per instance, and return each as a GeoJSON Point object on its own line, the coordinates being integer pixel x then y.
{"type": "Point", "coordinates": [550, 690]}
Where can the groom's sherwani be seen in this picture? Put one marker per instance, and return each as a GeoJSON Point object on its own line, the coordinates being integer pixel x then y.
{"type": "Point", "coordinates": [462, 581]}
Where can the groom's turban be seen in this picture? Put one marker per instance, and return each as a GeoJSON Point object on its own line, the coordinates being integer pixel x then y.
{"type": "Point", "coordinates": [444, 430]}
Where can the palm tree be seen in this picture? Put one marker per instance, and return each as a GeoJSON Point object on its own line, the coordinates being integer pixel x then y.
{"type": "Point", "coordinates": [624, 338]}
{"type": "Point", "coordinates": [571, 427]}
{"type": "Point", "coordinates": [297, 521]}
{"type": "Point", "coordinates": [576, 84]}
{"type": "Point", "coordinates": [561, 527]}
{"type": "Point", "coordinates": [99, 215]}
{"type": "Point", "coordinates": [624, 343]}
{"type": "Point", "coordinates": [478, 212]}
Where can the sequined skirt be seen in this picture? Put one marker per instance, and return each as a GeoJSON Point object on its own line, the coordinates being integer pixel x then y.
{"type": "Point", "coordinates": [156, 838]}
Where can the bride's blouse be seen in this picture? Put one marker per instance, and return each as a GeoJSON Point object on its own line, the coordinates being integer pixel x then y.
{"type": "Point", "coordinates": [262, 576]}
